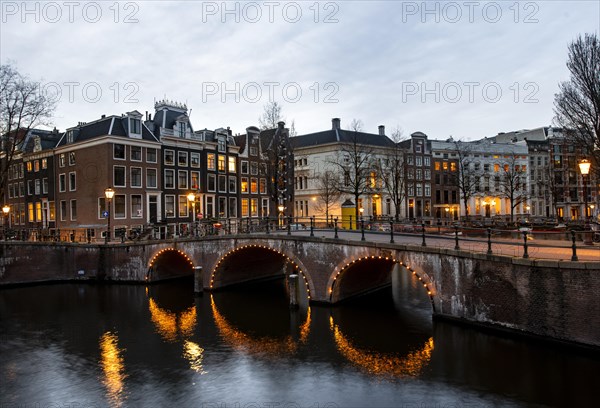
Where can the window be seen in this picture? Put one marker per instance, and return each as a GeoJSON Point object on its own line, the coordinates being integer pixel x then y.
{"type": "Point", "coordinates": [169, 178]}
{"type": "Point", "coordinates": [419, 160]}
{"type": "Point", "coordinates": [496, 168]}
{"type": "Point", "coordinates": [151, 178]}
{"type": "Point", "coordinates": [265, 207]}
{"type": "Point", "coordinates": [182, 159]}
{"type": "Point", "coordinates": [195, 159]}
{"type": "Point", "coordinates": [136, 153]}
{"type": "Point", "coordinates": [182, 179]}
{"type": "Point", "coordinates": [182, 128]}
{"type": "Point", "coordinates": [63, 210]}
{"type": "Point", "coordinates": [418, 148]}
{"type": "Point", "coordinates": [119, 203]}
{"type": "Point", "coordinates": [38, 187]}
{"type": "Point", "coordinates": [136, 206]}
{"type": "Point", "coordinates": [410, 174]}
{"type": "Point", "coordinates": [29, 187]}
{"type": "Point", "coordinates": [427, 174]}
{"type": "Point", "coordinates": [244, 167]}
{"type": "Point", "coordinates": [73, 210]}
{"type": "Point", "coordinates": [254, 168]}
{"type": "Point", "coordinates": [195, 179]}
{"type": "Point", "coordinates": [212, 181]}
{"type": "Point", "coordinates": [210, 161]}
{"type": "Point", "coordinates": [437, 166]}
{"type": "Point", "coordinates": [445, 166]}
{"type": "Point", "coordinates": [221, 144]}
{"type": "Point", "coordinates": [222, 183]}
{"type": "Point", "coordinates": [222, 207]}
{"type": "Point", "coordinates": [253, 151]}
{"type": "Point", "coordinates": [244, 186]}
{"type": "Point", "coordinates": [170, 206]}
{"type": "Point", "coordinates": [232, 184]}
{"type": "Point", "coordinates": [419, 189]}
{"type": "Point", "coordinates": [427, 190]}
{"type": "Point", "coordinates": [253, 185]}
{"type": "Point", "coordinates": [231, 166]}
{"type": "Point", "coordinates": [254, 207]}
{"type": "Point", "coordinates": [62, 182]}
{"type": "Point", "coordinates": [419, 174]}
{"type": "Point", "coordinates": [263, 186]}
{"type": "Point", "coordinates": [486, 167]}
{"type": "Point", "coordinates": [210, 209]}
{"type": "Point", "coordinates": [44, 186]}
{"type": "Point", "coordinates": [135, 126]}
{"type": "Point", "coordinates": [453, 166]}
{"type": "Point", "coordinates": [169, 157]}
{"type": "Point", "coordinates": [245, 207]}
{"type": "Point", "coordinates": [427, 161]}
{"type": "Point", "coordinates": [221, 162]}
{"type": "Point", "coordinates": [136, 177]}
{"type": "Point", "coordinates": [61, 161]}
{"type": "Point", "coordinates": [183, 206]}
{"type": "Point", "coordinates": [36, 165]}
{"type": "Point", "coordinates": [232, 207]}
{"type": "Point", "coordinates": [29, 166]}
{"type": "Point", "coordinates": [119, 176]}
{"type": "Point", "coordinates": [119, 151]}
{"type": "Point", "coordinates": [409, 159]}
{"type": "Point", "coordinates": [72, 181]}
{"type": "Point", "coordinates": [151, 155]}
{"type": "Point", "coordinates": [71, 159]}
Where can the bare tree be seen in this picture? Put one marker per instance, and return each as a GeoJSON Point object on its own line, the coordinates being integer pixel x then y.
{"type": "Point", "coordinates": [577, 105]}
{"type": "Point", "coordinates": [328, 194]}
{"type": "Point", "coordinates": [392, 169]}
{"type": "Point", "coordinates": [467, 177]}
{"type": "Point", "coordinates": [356, 125]}
{"type": "Point", "coordinates": [293, 132]}
{"type": "Point", "coordinates": [271, 116]}
{"type": "Point", "coordinates": [354, 162]}
{"type": "Point", "coordinates": [513, 183]}
{"type": "Point", "coordinates": [22, 107]}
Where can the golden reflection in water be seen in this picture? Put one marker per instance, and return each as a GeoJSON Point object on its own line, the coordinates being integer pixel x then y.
{"type": "Point", "coordinates": [305, 329]}
{"type": "Point", "coordinates": [169, 324]}
{"type": "Point", "coordinates": [194, 354]}
{"type": "Point", "coordinates": [113, 367]}
{"type": "Point", "coordinates": [243, 341]}
{"type": "Point", "coordinates": [377, 363]}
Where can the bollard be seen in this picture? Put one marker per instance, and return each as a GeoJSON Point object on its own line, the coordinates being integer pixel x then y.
{"type": "Point", "coordinates": [335, 229]}
{"type": "Point", "coordinates": [391, 232]}
{"type": "Point", "coordinates": [312, 226]}
{"type": "Point", "coordinates": [456, 246]}
{"type": "Point", "coordinates": [362, 229]}
{"type": "Point", "coordinates": [423, 234]}
{"type": "Point", "coordinates": [489, 235]}
{"type": "Point", "coordinates": [289, 226]}
{"type": "Point", "coordinates": [574, 247]}
{"type": "Point", "coordinates": [525, 254]}
{"type": "Point", "coordinates": [198, 280]}
{"type": "Point", "coordinates": [293, 286]}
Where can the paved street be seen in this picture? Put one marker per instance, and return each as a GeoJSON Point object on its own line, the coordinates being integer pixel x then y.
{"type": "Point", "coordinates": [537, 249]}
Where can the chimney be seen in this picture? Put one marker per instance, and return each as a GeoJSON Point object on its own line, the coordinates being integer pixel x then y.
{"type": "Point", "coordinates": [335, 123]}
{"type": "Point", "coordinates": [381, 130]}
{"type": "Point", "coordinates": [103, 116]}
{"type": "Point", "coordinates": [280, 125]}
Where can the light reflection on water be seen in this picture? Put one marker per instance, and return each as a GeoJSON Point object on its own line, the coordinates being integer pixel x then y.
{"type": "Point", "coordinates": [131, 346]}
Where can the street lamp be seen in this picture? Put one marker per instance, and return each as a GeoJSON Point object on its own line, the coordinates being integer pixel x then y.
{"type": "Point", "coordinates": [281, 208]}
{"type": "Point", "coordinates": [584, 167]}
{"type": "Point", "coordinates": [192, 199]}
{"type": "Point", "coordinates": [109, 193]}
{"type": "Point", "coordinates": [5, 211]}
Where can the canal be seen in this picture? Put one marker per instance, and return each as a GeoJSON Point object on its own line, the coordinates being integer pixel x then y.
{"type": "Point", "coordinates": [81, 345]}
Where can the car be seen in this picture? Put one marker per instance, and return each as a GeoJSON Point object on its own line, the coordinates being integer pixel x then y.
{"type": "Point", "coordinates": [297, 226]}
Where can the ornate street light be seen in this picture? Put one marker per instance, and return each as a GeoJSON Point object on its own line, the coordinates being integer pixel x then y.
{"type": "Point", "coordinates": [5, 211]}
{"type": "Point", "coordinates": [584, 167]}
{"type": "Point", "coordinates": [109, 193]}
{"type": "Point", "coordinates": [281, 208]}
{"type": "Point", "coordinates": [192, 199]}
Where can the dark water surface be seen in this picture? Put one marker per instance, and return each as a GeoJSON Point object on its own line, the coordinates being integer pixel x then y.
{"type": "Point", "coordinates": [79, 345]}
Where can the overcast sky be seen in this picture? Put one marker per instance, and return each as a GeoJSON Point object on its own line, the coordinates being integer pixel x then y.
{"type": "Point", "coordinates": [466, 69]}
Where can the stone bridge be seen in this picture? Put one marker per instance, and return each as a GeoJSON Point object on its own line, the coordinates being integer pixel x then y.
{"type": "Point", "coordinates": [546, 298]}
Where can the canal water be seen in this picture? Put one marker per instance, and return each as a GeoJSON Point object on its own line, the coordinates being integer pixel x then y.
{"type": "Point", "coordinates": [81, 345]}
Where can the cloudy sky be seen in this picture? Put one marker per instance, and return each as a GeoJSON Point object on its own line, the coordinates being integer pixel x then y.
{"type": "Point", "coordinates": [466, 69]}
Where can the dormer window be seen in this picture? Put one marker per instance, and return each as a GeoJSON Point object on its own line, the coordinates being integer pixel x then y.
{"type": "Point", "coordinates": [70, 136]}
{"type": "Point", "coordinates": [182, 129]}
{"type": "Point", "coordinates": [221, 142]}
{"type": "Point", "coordinates": [135, 126]}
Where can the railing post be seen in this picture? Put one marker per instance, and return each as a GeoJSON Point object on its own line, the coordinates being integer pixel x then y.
{"type": "Point", "coordinates": [574, 247]}
{"type": "Point", "coordinates": [362, 229]}
{"type": "Point", "coordinates": [525, 254]}
{"type": "Point", "coordinates": [312, 226]}
{"type": "Point", "coordinates": [335, 229]}
{"type": "Point", "coordinates": [267, 225]}
{"type": "Point", "coordinates": [456, 246]}
{"type": "Point", "coordinates": [248, 225]}
{"type": "Point", "coordinates": [489, 236]}
{"type": "Point", "coordinates": [391, 232]}
{"type": "Point", "coordinates": [289, 226]}
{"type": "Point", "coordinates": [423, 234]}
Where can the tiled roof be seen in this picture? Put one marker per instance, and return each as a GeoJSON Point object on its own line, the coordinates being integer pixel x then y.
{"type": "Point", "coordinates": [341, 136]}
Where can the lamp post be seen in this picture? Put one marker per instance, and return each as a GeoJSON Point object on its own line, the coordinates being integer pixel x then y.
{"type": "Point", "coordinates": [192, 199]}
{"type": "Point", "coordinates": [109, 193]}
{"type": "Point", "coordinates": [5, 211]}
{"type": "Point", "coordinates": [281, 208]}
{"type": "Point", "coordinates": [584, 167]}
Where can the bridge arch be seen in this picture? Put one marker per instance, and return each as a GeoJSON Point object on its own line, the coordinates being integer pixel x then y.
{"type": "Point", "coordinates": [345, 280]}
{"type": "Point", "coordinates": [224, 272]}
{"type": "Point", "coordinates": [169, 263]}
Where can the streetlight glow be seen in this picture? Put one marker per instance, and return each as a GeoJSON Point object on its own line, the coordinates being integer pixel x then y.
{"type": "Point", "coordinates": [109, 193]}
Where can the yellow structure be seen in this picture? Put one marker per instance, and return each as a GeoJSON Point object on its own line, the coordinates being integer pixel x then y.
{"type": "Point", "coordinates": [348, 215]}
